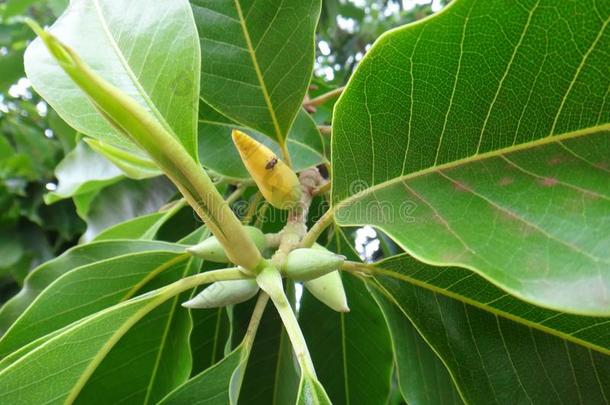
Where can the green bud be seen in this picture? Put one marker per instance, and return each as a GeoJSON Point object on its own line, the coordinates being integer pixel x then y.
{"type": "Point", "coordinates": [307, 264]}
{"type": "Point", "coordinates": [329, 290]}
{"type": "Point", "coordinates": [223, 293]}
{"type": "Point", "coordinates": [211, 249]}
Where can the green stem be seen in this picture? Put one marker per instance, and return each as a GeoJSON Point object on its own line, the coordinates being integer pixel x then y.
{"type": "Point", "coordinates": [270, 281]}
{"type": "Point", "coordinates": [178, 287]}
{"type": "Point", "coordinates": [314, 233]}
{"type": "Point", "coordinates": [321, 99]}
{"type": "Point", "coordinates": [150, 134]}
{"type": "Point", "coordinates": [255, 319]}
{"type": "Point", "coordinates": [355, 267]}
{"type": "Point", "coordinates": [234, 196]}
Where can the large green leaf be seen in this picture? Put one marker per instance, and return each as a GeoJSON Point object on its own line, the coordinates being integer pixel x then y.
{"type": "Point", "coordinates": [88, 289]}
{"type": "Point", "coordinates": [157, 346]}
{"type": "Point", "coordinates": [58, 366]}
{"type": "Point", "coordinates": [351, 351]}
{"type": "Point", "coordinates": [135, 228]}
{"type": "Point", "coordinates": [257, 59]}
{"type": "Point", "coordinates": [82, 171]}
{"type": "Point", "coordinates": [272, 375]}
{"type": "Point", "coordinates": [464, 286]}
{"type": "Point", "coordinates": [83, 255]}
{"type": "Point", "coordinates": [213, 386]}
{"type": "Point", "coordinates": [148, 50]}
{"type": "Point", "coordinates": [218, 153]}
{"type": "Point", "coordinates": [221, 383]}
{"type": "Point", "coordinates": [56, 370]}
{"type": "Point", "coordinates": [477, 138]}
{"type": "Point", "coordinates": [122, 201]}
{"type": "Point", "coordinates": [422, 377]}
{"type": "Point", "coordinates": [492, 359]}
{"type": "Point", "coordinates": [209, 337]}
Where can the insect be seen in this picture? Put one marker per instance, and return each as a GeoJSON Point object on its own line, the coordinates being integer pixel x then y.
{"type": "Point", "coordinates": [271, 163]}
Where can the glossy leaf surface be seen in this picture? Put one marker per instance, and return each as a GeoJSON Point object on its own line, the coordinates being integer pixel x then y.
{"type": "Point", "coordinates": [476, 138]}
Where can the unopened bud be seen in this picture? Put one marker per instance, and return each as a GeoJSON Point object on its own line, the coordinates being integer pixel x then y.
{"type": "Point", "coordinates": [223, 293]}
{"type": "Point", "coordinates": [308, 263]}
{"type": "Point", "coordinates": [211, 249]}
{"type": "Point", "coordinates": [275, 180]}
{"type": "Point", "coordinates": [329, 290]}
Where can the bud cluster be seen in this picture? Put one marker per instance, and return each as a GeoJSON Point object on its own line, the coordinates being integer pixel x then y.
{"type": "Point", "coordinates": [316, 267]}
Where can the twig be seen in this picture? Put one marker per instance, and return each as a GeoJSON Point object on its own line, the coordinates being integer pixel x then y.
{"type": "Point", "coordinates": [325, 129]}
{"type": "Point", "coordinates": [314, 233]}
{"type": "Point", "coordinates": [322, 188]}
{"type": "Point", "coordinates": [318, 101]}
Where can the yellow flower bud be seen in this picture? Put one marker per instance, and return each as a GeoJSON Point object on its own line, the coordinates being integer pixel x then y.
{"type": "Point", "coordinates": [211, 249]}
{"type": "Point", "coordinates": [329, 290]}
{"type": "Point", "coordinates": [275, 180]}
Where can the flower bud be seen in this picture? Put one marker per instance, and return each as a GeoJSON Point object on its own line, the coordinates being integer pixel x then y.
{"type": "Point", "coordinates": [275, 180]}
{"type": "Point", "coordinates": [329, 290]}
{"type": "Point", "coordinates": [211, 249]}
{"type": "Point", "coordinates": [223, 293]}
{"type": "Point", "coordinates": [309, 263]}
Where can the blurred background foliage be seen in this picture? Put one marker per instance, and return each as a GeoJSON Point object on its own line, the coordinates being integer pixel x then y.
{"type": "Point", "coordinates": [51, 181]}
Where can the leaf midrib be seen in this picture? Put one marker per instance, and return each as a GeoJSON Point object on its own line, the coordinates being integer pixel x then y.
{"type": "Point", "coordinates": [346, 202]}
{"type": "Point", "coordinates": [129, 71]}
{"type": "Point", "coordinates": [170, 319]}
{"type": "Point", "coordinates": [450, 294]}
{"type": "Point", "coordinates": [259, 74]}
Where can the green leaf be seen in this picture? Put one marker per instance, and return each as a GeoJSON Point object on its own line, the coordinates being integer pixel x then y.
{"type": "Point", "coordinates": [222, 382]}
{"type": "Point", "coordinates": [272, 375]}
{"type": "Point", "coordinates": [213, 386]}
{"type": "Point", "coordinates": [209, 337]}
{"type": "Point", "coordinates": [311, 392]}
{"type": "Point", "coordinates": [474, 138]}
{"type": "Point", "coordinates": [57, 369]}
{"type": "Point", "coordinates": [83, 255]}
{"type": "Point", "coordinates": [88, 289]}
{"type": "Point", "coordinates": [464, 286]}
{"type": "Point", "coordinates": [351, 351]}
{"type": "Point", "coordinates": [82, 171]}
{"type": "Point", "coordinates": [157, 347]}
{"type": "Point", "coordinates": [16, 7]}
{"type": "Point", "coordinates": [131, 164]}
{"type": "Point", "coordinates": [124, 200]}
{"type": "Point", "coordinates": [159, 69]}
{"type": "Point", "coordinates": [218, 153]}
{"type": "Point", "coordinates": [11, 66]}
{"type": "Point", "coordinates": [492, 359]}
{"type": "Point", "coordinates": [257, 59]}
{"type": "Point", "coordinates": [134, 228]}
{"type": "Point", "coordinates": [422, 376]}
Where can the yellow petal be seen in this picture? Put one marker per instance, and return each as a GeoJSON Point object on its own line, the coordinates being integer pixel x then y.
{"type": "Point", "coordinates": [275, 180]}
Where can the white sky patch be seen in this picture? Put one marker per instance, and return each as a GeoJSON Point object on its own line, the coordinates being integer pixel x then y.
{"type": "Point", "coordinates": [358, 3]}
{"type": "Point", "coordinates": [411, 4]}
{"type": "Point", "coordinates": [392, 8]}
{"type": "Point", "coordinates": [42, 108]}
{"type": "Point", "coordinates": [324, 48]}
{"type": "Point", "coordinates": [49, 133]}
{"type": "Point", "coordinates": [298, 294]}
{"type": "Point", "coordinates": [366, 243]}
{"type": "Point", "coordinates": [20, 89]}
{"type": "Point", "coordinates": [51, 186]}
{"type": "Point", "coordinates": [346, 24]}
